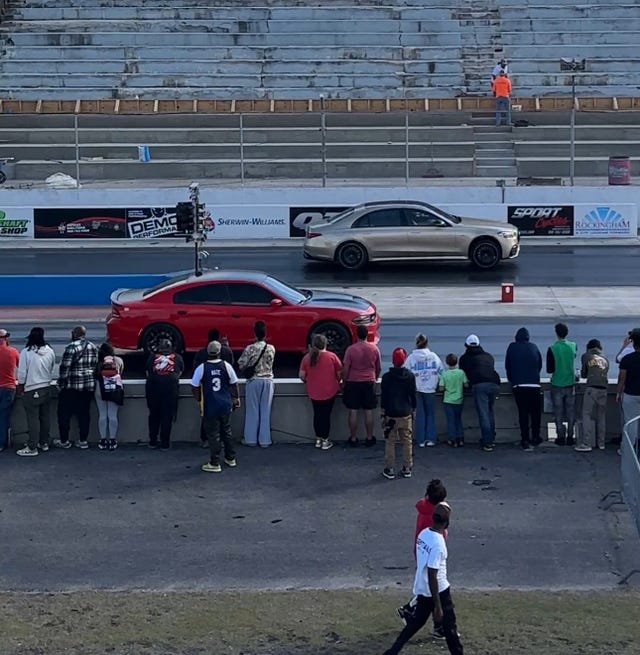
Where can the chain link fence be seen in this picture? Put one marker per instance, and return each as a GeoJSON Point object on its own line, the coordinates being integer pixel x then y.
{"type": "Point", "coordinates": [630, 468]}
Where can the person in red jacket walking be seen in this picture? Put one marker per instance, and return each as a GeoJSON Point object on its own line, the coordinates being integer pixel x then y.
{"type": "Point", "coordinates": [435, 494]}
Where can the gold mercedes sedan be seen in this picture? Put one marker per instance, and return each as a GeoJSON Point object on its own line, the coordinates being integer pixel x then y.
{"type": "Point", "coordinates": [408, 231]}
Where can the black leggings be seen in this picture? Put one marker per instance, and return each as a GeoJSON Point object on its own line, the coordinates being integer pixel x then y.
{"type": "Point", "coordinates": [424, 608]}
{"type": "Point", "coordinates": [322, 417]}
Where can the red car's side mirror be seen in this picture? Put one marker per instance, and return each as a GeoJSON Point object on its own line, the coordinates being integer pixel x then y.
{"type": "Point", "coordinates": [276, 302]}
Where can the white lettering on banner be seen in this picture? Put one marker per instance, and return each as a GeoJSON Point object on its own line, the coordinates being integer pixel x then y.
{"type": "Point", "coordinates": [152, 227]}
{"type": "Point", "coordinates": [249, 222]}
{"type": "Point", "coordinates": [536, 212]}
{"type": "Point", "coordinates": [605, 220]}
{"type": "Point", "coordinates": [16, 222]}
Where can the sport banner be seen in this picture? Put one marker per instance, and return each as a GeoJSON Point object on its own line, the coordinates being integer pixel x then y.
{"type": "Point", "coordinates": [545, 221]}
{"type": "Point", "coordinates": [79, 223]}
{"type": "Point", "coordinates": [16, 223]}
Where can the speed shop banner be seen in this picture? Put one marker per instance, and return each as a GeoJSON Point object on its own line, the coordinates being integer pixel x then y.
{"type": "Point", "coordinates": [79, 223]}
{"type": "Point", "coordinates": [542, 220]}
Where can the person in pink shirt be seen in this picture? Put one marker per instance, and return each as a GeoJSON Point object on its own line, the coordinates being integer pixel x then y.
{"type": "Point", "coordinates": [360, 371]}
{"type": "Point", "coordinates": [321, 371]}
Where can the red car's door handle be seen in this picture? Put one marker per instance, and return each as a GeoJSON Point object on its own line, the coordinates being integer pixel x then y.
{"type": "Point", "coordinates": [235, 315]}
{"type": "Point", "coordinates": [182, 312]}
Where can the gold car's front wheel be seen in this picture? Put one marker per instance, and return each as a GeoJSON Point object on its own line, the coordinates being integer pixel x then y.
{"type": "Point", "coordinates": [485, 254]}
{"type": "Point", "coordinates": [352, 256]}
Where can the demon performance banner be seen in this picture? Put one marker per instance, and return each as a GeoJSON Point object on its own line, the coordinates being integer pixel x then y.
{"type": "Point", "coordinates": [151, 222]}
{"type": "Point", "coordinates": [542, 220]}
{"type": "Point", "coordinates": [16, 223]}
{"type": "Point", "coordinates": [79, 223]}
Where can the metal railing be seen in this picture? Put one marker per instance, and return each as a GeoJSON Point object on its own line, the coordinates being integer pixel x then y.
{"type": "Point", "coordinates": [630, 469]}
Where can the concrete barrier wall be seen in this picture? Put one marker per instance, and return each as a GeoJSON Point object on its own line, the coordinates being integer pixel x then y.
{"type": "Point", "coordinates": [292, 417]}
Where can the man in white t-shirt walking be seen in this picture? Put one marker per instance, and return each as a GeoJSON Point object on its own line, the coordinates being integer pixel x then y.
{"type": "Point", "coordinates": [431, 586]}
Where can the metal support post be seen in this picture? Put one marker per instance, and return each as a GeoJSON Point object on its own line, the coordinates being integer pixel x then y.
{"type": "Point", "coordinates": [242, 149]}
{"type": "Point", "coordinates": [323, 137]}
{"type": "Point", "coordinates": [197, 228]}
{"type": "Point", "coordinates": [572, 136]}
{"type": "Point", "coordinates": [77, 138]}
{"type": "Point", "coordinates": [406, 144]}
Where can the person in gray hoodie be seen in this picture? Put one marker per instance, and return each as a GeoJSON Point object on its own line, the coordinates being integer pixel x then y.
{"type": "Point", "coordinates": [35, 374]}
{"type": "Point", "coordinates": [595, 368]}
{"type": "Point", "coordinates": [523, 363]}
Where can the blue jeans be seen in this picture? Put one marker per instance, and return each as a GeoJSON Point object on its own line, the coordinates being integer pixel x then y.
{"type": "Point", "coordinates": [6, 403]}
{"type": "Point", "coordinates": [484, 396]}
{"type": "Point", "coordinates": [425, 428]}
{"type": "Point", "coordinates": [503, 108]}
{"type": "Point", "coordinates": [453, 412]}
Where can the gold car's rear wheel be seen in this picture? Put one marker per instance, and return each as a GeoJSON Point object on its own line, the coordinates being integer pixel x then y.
{"type": "Point", "coordinates": [352, 256]}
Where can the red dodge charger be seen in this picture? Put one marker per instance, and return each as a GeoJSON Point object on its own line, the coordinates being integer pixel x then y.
{"type": "Point", "coordinates": [184, 309]}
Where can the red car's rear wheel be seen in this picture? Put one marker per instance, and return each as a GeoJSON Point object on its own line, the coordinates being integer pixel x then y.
{"type": "Point", "coordinates": [154, 333]}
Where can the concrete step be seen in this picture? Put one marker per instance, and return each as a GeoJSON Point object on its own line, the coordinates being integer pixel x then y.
{"type": "Point", "coordinates": [496, 171]}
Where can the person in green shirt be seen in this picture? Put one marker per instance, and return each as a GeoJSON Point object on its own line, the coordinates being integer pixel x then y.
{"type": "Point", "coordinates": [452, 382]}
{"type": "Point", "coordinates": [561, 357]}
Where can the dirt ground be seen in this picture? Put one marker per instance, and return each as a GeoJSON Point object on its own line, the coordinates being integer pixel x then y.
{"type": "Point", "coordinates": [311, 623]}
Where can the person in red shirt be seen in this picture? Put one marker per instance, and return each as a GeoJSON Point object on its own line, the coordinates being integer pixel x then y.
{"type": "Point", "coordinates": [435, 494]}
{"type": "Point", "coordinates": [9, 360]}
{"type": "Point", "coordinates": [361, 370]}
{"type": "Point", "coordinates": [321, 371]}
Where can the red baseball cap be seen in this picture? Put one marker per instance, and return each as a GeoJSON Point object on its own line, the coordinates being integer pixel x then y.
{"type": "Point", "coordinates": [399, 356]}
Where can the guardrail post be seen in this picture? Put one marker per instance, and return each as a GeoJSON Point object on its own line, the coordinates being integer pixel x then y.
{"type": "Point", "coordinates": [323, 137]}
{"type": "Point", "coordinates": [406, 144]}
{"type": "Point", "coordinates": [241, 118]}
{"type": "Point", "coordinates": [77, 140]}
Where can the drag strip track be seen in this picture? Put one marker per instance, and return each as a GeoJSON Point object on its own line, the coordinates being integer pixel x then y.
{"type": "Point", "coordinates": [536, 266]}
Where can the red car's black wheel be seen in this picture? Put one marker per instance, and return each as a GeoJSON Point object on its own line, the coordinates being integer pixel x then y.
{"type": "Point", "coordinates": [338, 336]}
{"type": "Point", "coordinates": [154, 333]}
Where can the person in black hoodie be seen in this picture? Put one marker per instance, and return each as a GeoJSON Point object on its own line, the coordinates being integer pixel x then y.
{"type": "Point", "coordinates": [480, 370]}
{"type": "Point", "coordinates": [523, 363]}
{"type": "Point", "coordinates": [398, 401]}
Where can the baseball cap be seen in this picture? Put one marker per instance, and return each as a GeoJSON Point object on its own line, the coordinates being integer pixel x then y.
{"type": "Point", "coordinates": [472, 340]}
{"type": "Point", "coordinates": [214, 348]}
{"type": "Point", "coordinates": [4, 334]}
{"type": "Point", "coordinates": [399, 356]}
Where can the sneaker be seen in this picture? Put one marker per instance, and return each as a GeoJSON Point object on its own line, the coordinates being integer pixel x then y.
{"type": "Point", "coordinates": [404, 613]}
{"type": "Point", "coordinates": [438, 633]}
{"type": "Point", "coordinates": [370, 442]}
{"type": "Point", "coordinates": [28, 452]}
{"type": "Point", "coordinates": [488, 448]}
{"type": "Point", "coordinates": [211, 468]}
{"type": "Point", "coordinates": [430, 444]}
{"type": "Point", "coordinates": [526, 448]}
{"type": "Point", "coordinates": [389, 474]}
{"type": "Point", "coordinates": [352, 443]}
{"type": "Point", "coordinates": [113, 444]}
{"type": "Point", "coordinates": [600, 447]}
{"type": "Point", "coordinates": [165, 448]}
{"type": "Point", "coordinates": [83, 445]}
{"type": "Point", "coordinates": [421, 445]}
{"type": "Point", "coordinates": [406, 473]}
{"type": "Point", "coordinates": [103, 444]}
{"type": "Point", "coordinates": [571, 441]}
{"type": "Point", "coordinates": [326, 444]}
{"type": "Point", "coordinates": [153, 445]}
{"type": "Point", "coordinates": [61, 444]}
{"type": "Point", "coordinates": [318, 443]}
{"type": "Point", "coordinates": [204, 444]}
{"type": "Point", "coordinates": [583, 449]}
{"type": "Point", "coordinates": [230, 462]}
{"type": "Point", "coordinates": [44, 447]}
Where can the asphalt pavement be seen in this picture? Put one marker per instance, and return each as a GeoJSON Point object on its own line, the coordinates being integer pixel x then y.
{"type": "Point", "coordinates": [536, 266]}
{"type": "Point", "coordinates": [296, 517]}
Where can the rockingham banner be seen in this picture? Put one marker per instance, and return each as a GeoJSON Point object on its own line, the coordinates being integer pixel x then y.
{"type": "Point", "coordinates": [16, 223]}
{"type": "Point", "coordinates": [604, 220]}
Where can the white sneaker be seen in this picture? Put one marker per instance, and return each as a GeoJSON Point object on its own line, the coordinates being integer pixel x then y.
{"type": "Point", "coordinates": [318, 443]}
{"type": "Point", "coordinates": [583, 449]}
{"type": "Point", "coordinates": [44, 447]}
{"type": "Point", "coordinates": [61, 444]}
{"type": "Point", "coordinates": [326, 444]}
{"type": "Point", "coordinates": [83, 445]}
{"type": "Point", "coordinates": [27, 452]}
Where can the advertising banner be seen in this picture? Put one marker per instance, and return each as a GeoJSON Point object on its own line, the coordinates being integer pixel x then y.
{"type": "Point", "coordinates": [247, 222]}
{"type": "Point", "coordinates": [16, 223]}
{"type": "Point", "coordinates": [79, 223]}
{"type": "Point", "coordinates": [604, 220]}
{"type": "Point", "coordinates": [542, 221]}
{"type": "Point", "coordinates": [300, 217]}
{"type": "Point", "coordinates": [151, 222]}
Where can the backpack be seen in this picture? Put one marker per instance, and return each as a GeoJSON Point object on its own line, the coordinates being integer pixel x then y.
{"type": "Point", "coordinates": [164, 364]}
{"type": "Point", "coordinates": [111, 389]}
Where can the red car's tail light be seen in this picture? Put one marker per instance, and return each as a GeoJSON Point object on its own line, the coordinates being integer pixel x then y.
{"type": "Point", "coordinates": [116, 310]}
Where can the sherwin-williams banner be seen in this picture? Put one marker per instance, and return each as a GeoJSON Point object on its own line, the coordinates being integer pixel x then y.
{"type": "Point", "coordinates": [79, 223]}
{"type": "Point", "coordinates": [16, 222]}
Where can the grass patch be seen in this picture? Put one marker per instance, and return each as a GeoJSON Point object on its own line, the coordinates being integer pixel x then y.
{"type": "Point", "coordinates": [311, 623]}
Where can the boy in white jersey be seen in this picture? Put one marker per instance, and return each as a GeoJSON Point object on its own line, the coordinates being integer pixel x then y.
{"type": "Point", "coordinates": [431, 586]}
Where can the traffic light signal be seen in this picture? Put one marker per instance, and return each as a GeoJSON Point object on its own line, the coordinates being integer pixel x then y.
{"type": "Point", "coordinates": [185, 218]}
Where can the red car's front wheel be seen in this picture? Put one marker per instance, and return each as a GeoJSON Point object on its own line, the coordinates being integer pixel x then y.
{"type": "Point", "coordinates": [338, 336]}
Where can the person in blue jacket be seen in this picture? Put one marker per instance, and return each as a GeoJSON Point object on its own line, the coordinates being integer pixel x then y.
{"type": "Point", "coordinates": [523, 363]}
